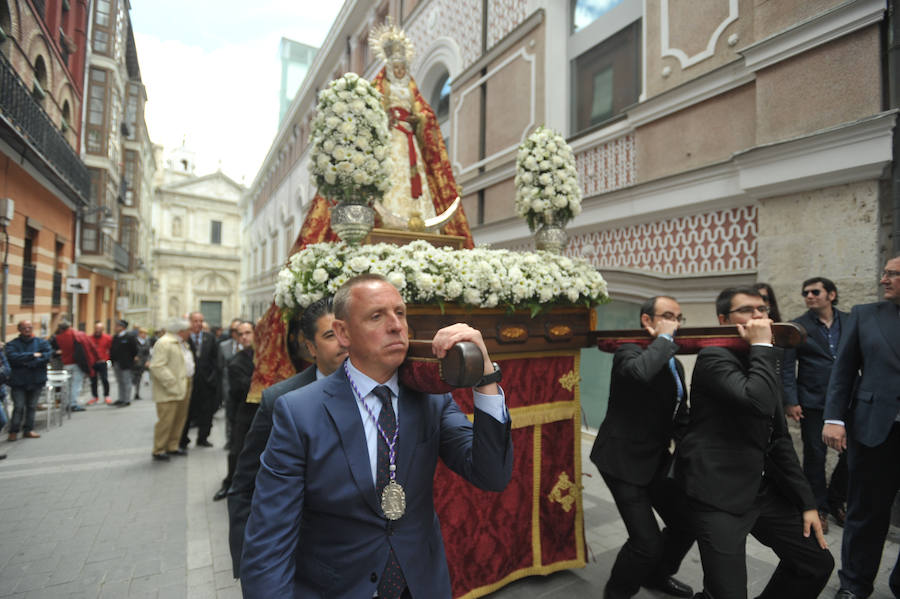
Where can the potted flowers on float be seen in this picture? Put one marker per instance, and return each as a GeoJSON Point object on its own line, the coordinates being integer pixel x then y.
{"type": "Point", "coordinates": [350, 153]}
{"type": "Point", "coordinates": [548, 195]}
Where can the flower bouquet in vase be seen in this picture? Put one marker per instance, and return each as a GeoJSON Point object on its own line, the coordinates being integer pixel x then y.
{"type": "Point", "coordinates": [350, 153]}
{"type": "Point", "coordinates": [547, 191]}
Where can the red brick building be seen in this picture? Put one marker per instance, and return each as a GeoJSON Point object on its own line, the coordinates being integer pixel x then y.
{"type": "Point", "coordinates": [42, 62]}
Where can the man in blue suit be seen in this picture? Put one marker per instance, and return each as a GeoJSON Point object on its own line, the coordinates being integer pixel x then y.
{"type": "Point", "coordinates": [861, 415]}
{"type": "Point", "coordinates": [806, 371]}
{"type": "Point", "coordinates": [343, 505]}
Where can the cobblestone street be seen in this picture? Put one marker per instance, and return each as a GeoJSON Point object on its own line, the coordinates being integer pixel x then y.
{"type": "Point", "coordinates": [87, 513]}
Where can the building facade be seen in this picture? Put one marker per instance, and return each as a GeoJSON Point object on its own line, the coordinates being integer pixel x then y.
{"type": "Point", "coordinates": [42, 58]}
{"type": "Point", "coordinates": [717, 143]}
{"type": "Point", "coordinates": [196, 243]}
{"type": "Point", "coordinates": [117, 150]}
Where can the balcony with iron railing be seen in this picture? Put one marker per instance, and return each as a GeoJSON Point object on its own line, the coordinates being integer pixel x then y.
{"type": "Point", "coordinates": [25, 124]}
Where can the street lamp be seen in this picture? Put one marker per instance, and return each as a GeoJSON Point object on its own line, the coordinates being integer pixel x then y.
{"type": "Point", "coordinates": [7, 210]}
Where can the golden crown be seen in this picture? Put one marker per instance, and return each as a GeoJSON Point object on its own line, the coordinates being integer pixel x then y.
{"type": "Point", "coordinates": [389, 43]}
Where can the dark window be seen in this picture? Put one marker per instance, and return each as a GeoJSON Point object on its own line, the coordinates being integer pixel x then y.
{"type": "Point", "coordinates": [215, 232]}
{"type": "Point", "coordinates": [104, 24]}
{"type": "Point", "coordinates": [57, 288]}
{"type": "Point", "coordinates": [440, 97]}
{"type": "Point", "coordinates": [212, 312]}
{"type": "Point", "coordinates": [40, 79]}
{"type": "Point", "coordinates": [91, 242]}
{"type": "Point", "coordinates": [57, 274]}
{"type": "Point", "coordinates": [131, 110]}
{"type": "Point", "coordinates": [96, 121]}
{"type": "Point", "coordinates": [66, 116]}
{"type": "Point", "coordinates": [130, 178]}
{"type": "Point", "coordinates": [29, 268]}
{"type": "Point", "coordinates": [606, 79]}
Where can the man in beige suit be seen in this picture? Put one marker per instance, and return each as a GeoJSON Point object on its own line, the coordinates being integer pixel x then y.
{"type": "Point", "coordinates": [171, 371]}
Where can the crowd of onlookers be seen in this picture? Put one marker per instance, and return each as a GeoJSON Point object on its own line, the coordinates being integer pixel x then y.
{"type": "Point", "coordinates": [98, 357]}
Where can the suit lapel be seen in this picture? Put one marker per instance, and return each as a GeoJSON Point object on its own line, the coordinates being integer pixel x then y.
{"type": "Point", "coordinates": [410, 408]}
{"type": "Point", "coordinates": [341, 405]}
{"type": "Point", "coordinates": [889, 325]}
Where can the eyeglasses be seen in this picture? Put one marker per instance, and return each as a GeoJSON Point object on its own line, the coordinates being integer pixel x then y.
{"type": "Point", "coordinates": [750, 309]}
{"type": "Point", "coordinates": [888, 274]}
{"type": "Point", "coordinates": [679, 318]}
{"type": "Point", "coordinates": [815, 292]}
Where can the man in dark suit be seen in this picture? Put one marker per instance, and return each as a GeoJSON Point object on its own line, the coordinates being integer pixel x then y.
{"type": "Point", "coordinates": [343, 505]}
{"type": "Point", "coordinates": [861, 416]}
{"type": "Point", "coordinates": [227, 348]}
{"type": "Point", "coordinates": [205, 384]}
{"type": "Point", "coordinates": [123, 353]}
{"type": "Point", "coordinates": [807, 369]}
{"type": "Point", "coordinates": [647, 402]}
{"type": "Point", "coordinates": [739, 468]}
{"type": "Point", "coordinates": [328, 355]}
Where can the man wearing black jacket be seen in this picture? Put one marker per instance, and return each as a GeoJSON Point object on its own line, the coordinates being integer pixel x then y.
{"type": "Point", "coordinates": [328, 355]}
{"type": "Point", "coordinates": [807, 369]}
{"type": "Point", "coordinates": [647, 409]}
{"type": "Point", "coordinates": [739, 468]}
{"type": "Point", "coordinates": [123, 353]}
{"type": "Point", "coordinates": [240, 373]}
{"type": "Point", "coordinates": [204, 390]}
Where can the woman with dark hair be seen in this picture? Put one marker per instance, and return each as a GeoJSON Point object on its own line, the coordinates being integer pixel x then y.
{"type": "Point", "coordinates": [768, 295]}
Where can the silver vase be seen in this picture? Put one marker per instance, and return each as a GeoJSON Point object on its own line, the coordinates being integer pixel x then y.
{"type": "Point", "coordinates": [552, 236]}
{"type": "Point", "coordinates": [352, 220]}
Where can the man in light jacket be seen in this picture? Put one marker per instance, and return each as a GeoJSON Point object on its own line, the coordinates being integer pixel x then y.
{"type": "Point", "coordinates": [171, 370]}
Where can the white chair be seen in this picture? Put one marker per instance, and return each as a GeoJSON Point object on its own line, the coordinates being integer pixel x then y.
{"type": "Point", "coordinates": [57, 394]}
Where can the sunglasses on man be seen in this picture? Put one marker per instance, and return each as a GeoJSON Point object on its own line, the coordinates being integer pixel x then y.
{"type": "Point", "coordinates": [815, 292]}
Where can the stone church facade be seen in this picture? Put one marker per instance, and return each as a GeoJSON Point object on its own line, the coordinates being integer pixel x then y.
{"type": "Point", "coordinates": [197, 245]}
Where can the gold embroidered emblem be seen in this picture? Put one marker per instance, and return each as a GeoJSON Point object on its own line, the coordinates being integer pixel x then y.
{"type": "Point", "coordinates": [563, 493]}
{"type": "Point", "coordinates": [569, 380]}
{"type": "Point", "coordinates": [512, 334]}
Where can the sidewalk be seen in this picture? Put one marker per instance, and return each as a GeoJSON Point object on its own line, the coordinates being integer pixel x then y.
{"type": "Point", "coordinates": [85, 512]}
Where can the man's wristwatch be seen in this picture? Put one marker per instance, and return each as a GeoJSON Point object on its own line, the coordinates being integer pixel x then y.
{"type": "Point", "coordinates": [493, 377]}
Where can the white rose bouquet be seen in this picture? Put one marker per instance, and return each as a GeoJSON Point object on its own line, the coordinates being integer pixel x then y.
{"type": "Point", "coordinates": [350, 137]}
{"type": "Point", "coordinates": [547, 188]}
{"type": "Point", "coordinates": [425, 274]}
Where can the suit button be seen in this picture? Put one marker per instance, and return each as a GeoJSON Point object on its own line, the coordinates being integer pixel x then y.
{"type": "Point", "coordinates": [373, 577]}
{"type": "Point", "coordinates": [390, 529]}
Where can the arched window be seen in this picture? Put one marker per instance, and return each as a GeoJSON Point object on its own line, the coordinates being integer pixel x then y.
{"type": "Point", "coordinates": [40, 79]}
{"type": "Point", "coordinates": [5, 22]}
{"type": "Point", "coordinates": [440, 97]}
{"type": "Point", "coordinates": [66, 115]}
{"type": "Point", "coordinates": [176, 226]}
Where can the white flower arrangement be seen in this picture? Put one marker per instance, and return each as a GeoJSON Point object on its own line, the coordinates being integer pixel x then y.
{"type": "Point", "coordinates": [350, 139]}
{"type": "Point", "coordinates": [547, 189]}
{"type": "Point", "coordinates": [423, 274]}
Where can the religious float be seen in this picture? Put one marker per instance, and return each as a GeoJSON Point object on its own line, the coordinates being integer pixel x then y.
{"type": "Point", "coordinates": [388, 203]}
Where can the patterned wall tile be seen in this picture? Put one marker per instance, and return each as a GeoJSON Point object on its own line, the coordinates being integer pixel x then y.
{"type": "Point", "coordinates": [713, 242]}
{"type": "Point", "coordinates": [457, 19]}
{"type": "Point", "coordinates": [607, 166]}
{"type": "Point", "coordinates": [503, 17]}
